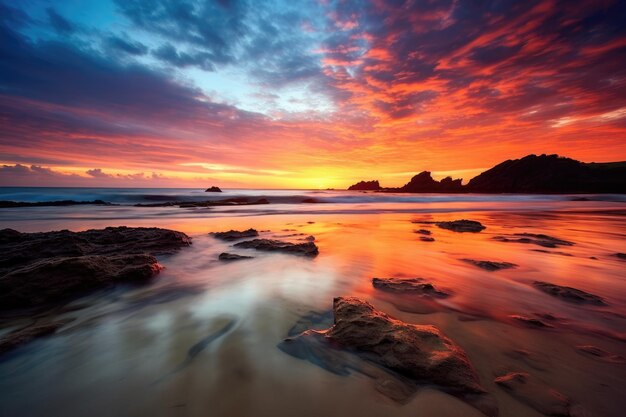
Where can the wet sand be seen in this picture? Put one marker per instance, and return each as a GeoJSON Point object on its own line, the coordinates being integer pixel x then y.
{"type": "Point", "coordinates": [202, 339]}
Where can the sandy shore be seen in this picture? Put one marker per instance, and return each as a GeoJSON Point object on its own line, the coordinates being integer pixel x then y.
{"type": "Point", "coordinates": [127, 352]}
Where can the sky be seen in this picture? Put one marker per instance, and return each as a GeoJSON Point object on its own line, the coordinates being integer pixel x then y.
{"type": "Point", "coordinates": [303, 94]}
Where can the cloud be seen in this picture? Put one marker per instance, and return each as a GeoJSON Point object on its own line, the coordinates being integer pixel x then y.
{"type": "Point", "coordinates": [402, 84]}
{"type": "Point", "coordinates": [97, 173]}
{"type": "Point", "coordinates": [59, 23]}
{"type": "Point", "coordinates": [128, 46]}
{"type": "Point", "coordinates": [169, 54]}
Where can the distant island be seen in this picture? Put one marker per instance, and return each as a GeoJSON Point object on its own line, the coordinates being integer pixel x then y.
{"type": "Point", "coordinates": [542, 174]}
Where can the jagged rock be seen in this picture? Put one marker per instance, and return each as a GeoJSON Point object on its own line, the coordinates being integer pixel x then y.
{"type": "Point", "coordinates": [406, 355]}
{"type": "Point", "coordinates": [490, 265]}
{"type": "Point", "coordinates": [365, 186]}
{"type": "Point", "coordinates": [270, 245]}
{"type": "Point", "coordinates": [416, 286]}
{"type": "Point", "coordinates": [424, 183]}
{"type": "Point", "coordinates": [550, 174]}
{"type": "Point", "coordinates": [235, 234]}
{"type": "Point", "coordinates": [537, 394]}
{"type": "Point", "coordinates": [224, 256]}
{"type": "Point", "coordinates": [534, 239]}
{"type": "Point", "coordinates": [213, 189]}
{"type": "Point", "coordinates": [461, 226]}
{"type": "Point", "coordinates": [569, 294]}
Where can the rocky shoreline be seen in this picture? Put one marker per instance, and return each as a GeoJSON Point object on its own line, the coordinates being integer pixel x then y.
{"type": "Point", "coordinates": [41, 271]}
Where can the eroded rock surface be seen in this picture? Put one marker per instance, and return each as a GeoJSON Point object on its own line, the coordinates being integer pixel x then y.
{"type": "Point", "coordinates": [534, 239]}
{"type": "Point", "coordinates": [462, 226]}
{"type": "Point", "coordinates": [416, 286]}
{"type": "Point", "coordinates": [57, 279]}
{"type": "Point", "coordinates": [41, 268]}
{"type": "Point", "coordinates": [235, 234]}
{"type": "Point", "coordinates": [270, 245]}
{"type": "Point", "coordinates": [405, 355]}
{"type": "Point", "coordinates": [569, 294]}
{"type": "Point", "coordinates": [490, 265]}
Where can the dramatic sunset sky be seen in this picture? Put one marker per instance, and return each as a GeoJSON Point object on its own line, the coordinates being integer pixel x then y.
{"type": "Point", "coordinates": [303, 94]}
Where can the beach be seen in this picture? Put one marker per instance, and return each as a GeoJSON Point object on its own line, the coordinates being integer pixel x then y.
{"type": "Point", "coordinates": [203, 337]}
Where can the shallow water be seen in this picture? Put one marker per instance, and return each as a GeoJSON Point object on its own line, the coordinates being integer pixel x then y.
{"type": "Point", "coordinates": [202, 339]}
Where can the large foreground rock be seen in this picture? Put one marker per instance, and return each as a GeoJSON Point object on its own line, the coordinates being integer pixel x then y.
{"type": "Point", "coordinates": [417, 351]}
{"type": "Point", "coordinates": [407, 355]}
{"type": "Point", "coordinates": [37, 269]}
{"type": "Point", "coordinates": [569, 294]}
{"type": "Point", "coordinates": [270, 245]}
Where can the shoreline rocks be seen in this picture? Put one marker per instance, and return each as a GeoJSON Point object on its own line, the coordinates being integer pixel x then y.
{"type": "Point", "coordinates": [462, 226]}
{"type": "Point", "coordinates": [415, 286]}
{"type": "Point", "coordinates": [405, 355]}
{"type": "Point", "coordinates": [569, 294]}
{"type": "Point", "coordinates": [308, 249]}
{"type": "Point", "coordinates": [534, 239]}
{"type": "Point", "coordinates": [365, 186]}
{"type": "Point", "coordinates": [39, 269]}
{"type": "Point", "coordinates": [235, 234]}
{"type": "Point", "coordinates": [229, 257]}
{"type": "Point", "coordinates": [490, 265]}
